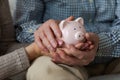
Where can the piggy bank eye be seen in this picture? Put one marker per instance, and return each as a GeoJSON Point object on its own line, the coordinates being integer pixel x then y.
{"type": "Point", "coordinates": [79, 36]}
{"type": "Point", "coordinates": [74, 28]}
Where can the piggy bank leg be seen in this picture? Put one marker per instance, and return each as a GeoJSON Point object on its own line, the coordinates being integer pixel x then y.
{"type": "Point", "coordinates": [44, 69]}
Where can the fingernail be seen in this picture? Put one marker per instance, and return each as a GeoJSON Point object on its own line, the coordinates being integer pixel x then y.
{"type": "Point", "coordinates": [89, 42]}
{"type": "Point", "coordinates": [85, 46]}
{"type": "Point", "coordinates": [58, 35]}
{"type": "Point", "coordinates": [54, 44]}
{"type": "Point", "coordinates": [60, 42]}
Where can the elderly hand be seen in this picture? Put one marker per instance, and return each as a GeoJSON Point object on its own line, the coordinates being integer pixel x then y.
{"type": "Point", "coordinates": [73, 56]}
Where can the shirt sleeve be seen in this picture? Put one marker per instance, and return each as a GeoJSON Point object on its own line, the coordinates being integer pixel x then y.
{"type": "Point", "coordinates": [13, 63]}
{"type": "Point", "coordinates": [109, 44]}
{"type": "Point", "coordinates": [28, 17]}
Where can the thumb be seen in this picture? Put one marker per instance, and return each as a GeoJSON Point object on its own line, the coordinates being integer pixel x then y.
{"type": "Point", "coordinates": [92, 36]}
{"type": "Point", "coordinates": [70, 18]}
{"type": "Point", "coordinates": [89, 36]}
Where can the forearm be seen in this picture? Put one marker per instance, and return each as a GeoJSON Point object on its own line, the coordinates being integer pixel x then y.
{"type": "Point", "coordinates": [18, 60]}
{"type": "Point", "coordinates": [33, 51]}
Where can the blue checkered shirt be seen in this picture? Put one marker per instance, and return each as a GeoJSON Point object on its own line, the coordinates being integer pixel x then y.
{"type": "Point", "coordinates": [101, 17]}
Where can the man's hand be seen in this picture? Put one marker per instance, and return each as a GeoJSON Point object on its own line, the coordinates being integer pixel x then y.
{"type": "Point", "coordinates": [74, 56]}
{"type": "Point", "coordinates": [46, 35]}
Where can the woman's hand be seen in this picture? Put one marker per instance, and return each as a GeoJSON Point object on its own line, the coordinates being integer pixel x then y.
{"type": "Point", "coordinates": [46, 35]}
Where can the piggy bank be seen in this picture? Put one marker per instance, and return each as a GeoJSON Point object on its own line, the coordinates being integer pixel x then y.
{"type": "Point", "coordinates": [73, 31]}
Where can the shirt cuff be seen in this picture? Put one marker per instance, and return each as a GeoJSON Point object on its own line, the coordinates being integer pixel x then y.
{"type": "Point", "coordinates": [104, 48]}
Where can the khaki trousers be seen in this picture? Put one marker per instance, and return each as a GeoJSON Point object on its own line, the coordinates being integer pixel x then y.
{"type": "Point", "coordinates": [44, 69]}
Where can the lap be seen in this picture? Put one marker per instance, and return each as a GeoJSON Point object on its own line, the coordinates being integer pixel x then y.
{"type": "Point", "coordinates": [44, 69]}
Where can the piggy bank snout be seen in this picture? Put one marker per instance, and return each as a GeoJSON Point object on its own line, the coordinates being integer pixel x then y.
{"type": "Point", "coordinates": [79, 36]}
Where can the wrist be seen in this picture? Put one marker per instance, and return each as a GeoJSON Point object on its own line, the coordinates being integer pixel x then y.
{"type": "Point", "coordinates": [33, 51]}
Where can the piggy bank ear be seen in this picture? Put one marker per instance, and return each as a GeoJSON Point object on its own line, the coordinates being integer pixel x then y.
{"type": "Point", "coordinates": [80, 20]}
{"type": "Point", "coordinates": [62, 24]}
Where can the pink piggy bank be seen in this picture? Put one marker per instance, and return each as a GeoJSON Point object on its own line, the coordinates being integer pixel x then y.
{"type": "Point", "coordinates": [73, 31]}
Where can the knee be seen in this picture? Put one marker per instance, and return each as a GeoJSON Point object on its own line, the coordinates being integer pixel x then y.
{"type": "Point", "coordinates": [44, 69]}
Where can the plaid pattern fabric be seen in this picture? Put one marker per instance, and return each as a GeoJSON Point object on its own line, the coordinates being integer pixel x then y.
{"type": "Point", "coordinates": [101, 17]}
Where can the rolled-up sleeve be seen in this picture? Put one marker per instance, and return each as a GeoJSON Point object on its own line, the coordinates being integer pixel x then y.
{"type": "Point", "coordinates": [109, 44]}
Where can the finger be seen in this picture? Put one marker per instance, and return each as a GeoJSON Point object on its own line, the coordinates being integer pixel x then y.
{"type": "Point", "coordinates": [50, 37]}
{"type": "Point", "coordinates": [39, 43]}
{"type": "Point", "coordinates": [65, 59]}
{"type": "Point", "coordinates": [61, 54]}
{"type": "Point", "coordinates": [56, 58]}
{"type": "Point", "coordinates": [79, 45]}
{"type": "Point", "coordinates": [60, 42]}
{"type": "Point", "coordinates": [70, 18]}
{"type": "Point", "coordinates": [72, 51]}
{"type": "Point", "coordinates": [52, 54]}
{"type": "Point", "coordinates": [69, 50]}
{"type": "Point", "coordinates": [91, 47]}
{"type": "Point", "coordinates": [89, 42]}
{"type": "Point", "coordinates": [88, 36]}
{"type": "Point", "coordinates": [46, 42]}
{"type": "Point", "coordinates": [72, 61]}
{"type": "Point", "coordinates": [91, 37]}
{"type": "Point", "coordinates": [55, 28]}
{"type": "Point", "coordinates": [85, 47]}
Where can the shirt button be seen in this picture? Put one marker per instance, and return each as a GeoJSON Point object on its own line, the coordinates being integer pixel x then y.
{"type": "Point", "coordinates": [90, 20]}
{"type": "Point", "coordinates": [91, 1]}
{"type": "Point", "coordinates": [30, 31]}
